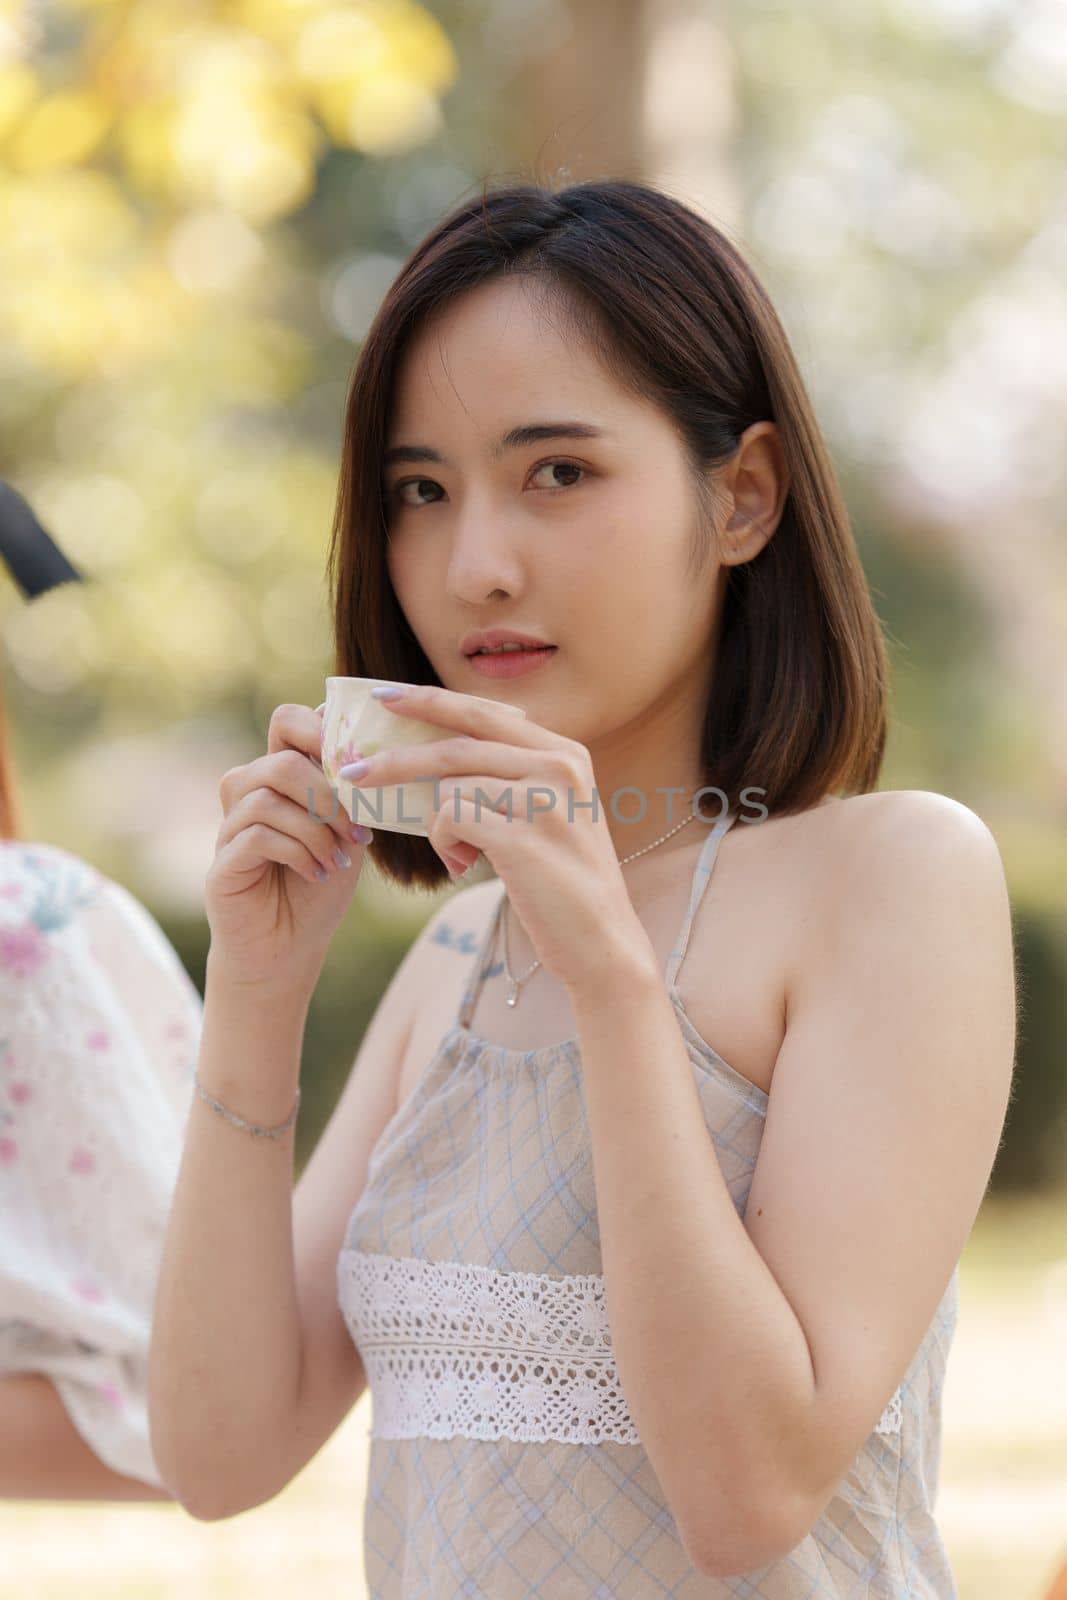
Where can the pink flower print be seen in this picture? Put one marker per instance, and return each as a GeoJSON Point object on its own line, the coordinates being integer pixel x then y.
{"type": "Point", "coordinates": [88, 1288]}
{"type": "Point", "coordinates": [81, 1160]}
{"type": "Point", "coordinates": [8, 1150]}
{"type": "Point", "coordinates": [111, 1395]}
{"type": "Point", "coordinates": [20, 1092]}
{"type": "Point", "coordinates": [99, 1039]}
{"type": "Point", "coordinates": [347, 754]}
{"type": "Point", "coordinates": [11, 891]}
{"type": "Point", "coordinates": [22, 950]}
{"type": "Point", "coordinates": [176, 1030]}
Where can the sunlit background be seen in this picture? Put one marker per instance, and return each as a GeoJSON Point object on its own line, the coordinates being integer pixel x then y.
{"type": "Point", "coordinates": [201, 205]}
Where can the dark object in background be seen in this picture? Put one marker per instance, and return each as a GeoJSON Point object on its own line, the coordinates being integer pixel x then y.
{"type": "Point", "coordinates": [33, 558]}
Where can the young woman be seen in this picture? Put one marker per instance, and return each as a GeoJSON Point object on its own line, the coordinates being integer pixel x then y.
{"type": "Point", "coordinates": [99, 1023]}
{"type": "Point", "coordinates": [642, 1208]}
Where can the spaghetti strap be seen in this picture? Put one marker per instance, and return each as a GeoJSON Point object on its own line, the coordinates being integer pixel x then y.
{"type": "Point", "coordinates": [480, 968]}
{"type": "Point", "coordinates": [701, 874]}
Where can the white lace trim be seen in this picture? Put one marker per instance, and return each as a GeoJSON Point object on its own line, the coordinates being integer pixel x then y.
{"type": "Point", "coordinates": [452, 1348]}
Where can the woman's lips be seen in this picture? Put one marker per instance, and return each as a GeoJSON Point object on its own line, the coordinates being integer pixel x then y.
{"type": "Point", "coordinates": [511, 663]}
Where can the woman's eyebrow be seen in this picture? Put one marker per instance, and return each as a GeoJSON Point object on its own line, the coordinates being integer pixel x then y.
{"type": "Point", "coordinates": [527, 433]}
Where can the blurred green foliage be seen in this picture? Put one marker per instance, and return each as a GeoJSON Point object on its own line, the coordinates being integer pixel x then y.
{"type": "Point", "coordinates": [1033, 1153]}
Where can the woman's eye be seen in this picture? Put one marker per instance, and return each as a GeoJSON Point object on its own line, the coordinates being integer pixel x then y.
{"type": "Point", "coordinates": [556, 466]}
{"type": "Point", "coordinates": [418, 484]}
{"type": "Point", "coordinates": [412, 483]}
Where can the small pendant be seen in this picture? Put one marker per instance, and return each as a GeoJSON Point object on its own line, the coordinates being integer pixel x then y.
{"type": "Point", "coordinates": [513, 996]}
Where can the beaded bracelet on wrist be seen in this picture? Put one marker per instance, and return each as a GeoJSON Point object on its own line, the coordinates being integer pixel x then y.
{"type": "Point", "coordinates": [253, 1128]}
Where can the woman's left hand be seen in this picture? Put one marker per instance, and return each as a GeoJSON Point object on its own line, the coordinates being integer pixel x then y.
{"type": "Point", "coordinates": [554, 851]}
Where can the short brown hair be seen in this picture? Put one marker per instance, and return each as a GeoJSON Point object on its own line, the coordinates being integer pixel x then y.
{"type": "Point", "coordinates": [668, 303]}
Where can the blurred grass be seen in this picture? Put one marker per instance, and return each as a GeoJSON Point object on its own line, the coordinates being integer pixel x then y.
{"type": "Point", "coordinates": [1002, 1502]}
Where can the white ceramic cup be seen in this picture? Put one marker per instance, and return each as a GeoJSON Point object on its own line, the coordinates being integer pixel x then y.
{"type": "Point", "coordinates": [355, 724]}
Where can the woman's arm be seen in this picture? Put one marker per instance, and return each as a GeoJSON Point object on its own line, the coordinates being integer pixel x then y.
{"type": "Point", "coordinates": [44, 1457]}
{"type": "Point", "coordinates": [225, 1356]}
{"type": "Point", "coordinates": [756, 1353]}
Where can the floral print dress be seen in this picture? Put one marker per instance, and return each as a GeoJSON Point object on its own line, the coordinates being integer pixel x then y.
{"type": "Point", "coordinates": [99, 1033]}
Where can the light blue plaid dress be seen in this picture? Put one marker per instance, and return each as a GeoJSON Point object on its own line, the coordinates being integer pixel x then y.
{"type": "Point", "coordinates": [504, 1463]}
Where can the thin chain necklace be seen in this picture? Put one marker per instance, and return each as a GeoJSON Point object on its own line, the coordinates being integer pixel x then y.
{"type": "Point", "coordinates": [515, 984]}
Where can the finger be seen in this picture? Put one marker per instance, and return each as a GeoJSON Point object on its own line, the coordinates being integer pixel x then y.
{"type": "Point", "coordinates": [462, 857]}
{"type": "Point", "coordinates": [294, 727]}
{"type": "Point", "coordinates": [461, 831]}
{"type": "Point", "coordinates": [294, 747]}
{"type": "Point", "coordinates": [467, 819]}
{"type": "Point", "coordinates": [458, 757]}
{"type": "Point", "coordinates": [432, 703]}
{"type": "Point", "coordinates": [286, 816]}
{"type": "Point", "coordinates": [251, 847]}
{"type": "Point", "coordinates": [518, 801]}
{"type": "Point", "coordinates": [292, 774]}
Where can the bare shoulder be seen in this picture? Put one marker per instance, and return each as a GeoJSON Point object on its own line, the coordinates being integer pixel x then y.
{"type": "Point", "coordinates": [892, 856]}
{"type": "Point", "coordinates": [460, 920]}
{"type": "Point", "coordinates": [444, 945]}
{"type": "Point", "coordinates": [880, 833]}
{"type": "Point", "coordinates": [838, 864]}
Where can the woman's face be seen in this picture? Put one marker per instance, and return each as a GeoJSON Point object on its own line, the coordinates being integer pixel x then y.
{"type": "Point", "coordinates": [583, 542]}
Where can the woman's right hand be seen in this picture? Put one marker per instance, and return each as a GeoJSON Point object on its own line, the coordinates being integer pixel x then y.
{"type": "Point", "coordinates": [271, 916]}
